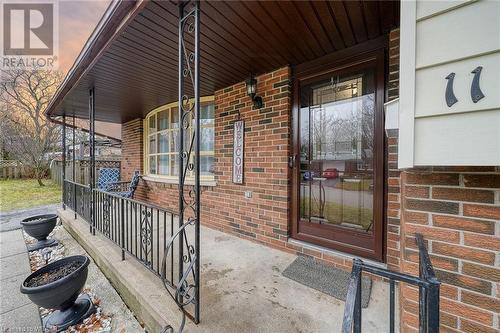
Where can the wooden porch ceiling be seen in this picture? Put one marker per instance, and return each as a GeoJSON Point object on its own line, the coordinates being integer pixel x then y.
{"type": "Point", "coordinates": [134, 62]}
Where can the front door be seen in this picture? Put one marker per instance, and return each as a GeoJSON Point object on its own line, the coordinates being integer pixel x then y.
{"type": "Point", "coordinates": [339, 158]}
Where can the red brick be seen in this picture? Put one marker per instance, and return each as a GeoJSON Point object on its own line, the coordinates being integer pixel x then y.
{"type": "Point", "coordinates": [481, 301]}
{"type": "Point", "coordinates": [482, 180]}
{"type": "Point", "coordinates": [432, 178]}
{"type": "Point", "coordinates": [433, 206]}
{"type": "Point", "coordinates": [482, 241]}
{"type": "Point", "coordinates": [468, 326]}
{"type": "Point", "coordinates": [446, 329]}
{"type": "Point", "coordinates": [448, 320]}
{"type": "Point", "coordinates": [449, 291]}
{"type": "Point", "coordinates": [464, 310]}
{"type": "Point", "coordinates": [488, 273]}
{"type": "Point", "coordinates": [464, 281]}
{"type": "Point", "coordinates": [432, 233]}
{"type": "Point", "coordinates": [462, 252]}
{"type": "Point", "coordinates": [409, 319]}
{"type": "Point", "coordinates": [416, 192]}
{"type": "Point", "coordinates": [483, 211]}
{"type": "Point", "coordinates": [392, 141]}
{"type": "Point", "coordinates": [416, 217]}
{"type": "Point", "coordinates": [461, 194]}
{"type": "Point", "coordinates": [460, 223]}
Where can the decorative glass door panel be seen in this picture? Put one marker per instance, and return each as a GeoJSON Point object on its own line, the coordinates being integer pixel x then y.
{"type": "Point", "coordinates": [339, 137]}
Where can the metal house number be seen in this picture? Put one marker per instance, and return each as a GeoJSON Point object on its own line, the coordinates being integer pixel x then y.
{"type": "Point", "coordinates": [475, 90]}
{"type": "Point", "coordinates": [449, 94]}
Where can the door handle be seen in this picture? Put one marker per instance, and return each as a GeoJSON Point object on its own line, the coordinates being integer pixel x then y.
{"type": "Point", "coordinates": [291, 161]}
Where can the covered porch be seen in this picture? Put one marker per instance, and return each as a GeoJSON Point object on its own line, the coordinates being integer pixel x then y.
{"type": "Point", "coordinates": [242, 288]}
{"type": "Point", "coordinates": [146, 54]}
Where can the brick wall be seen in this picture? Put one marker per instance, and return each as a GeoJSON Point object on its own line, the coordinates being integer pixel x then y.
{"type": "Point", "coordinates": [458, 212]}
{"type": "Point", "coordinates": [393, 173]}
{"type": "Point", "coordinates": [132, 149]}
{"type": "Point", "coordinates": [456, 209]}
{"type": "Point", "coordinates": [264, 216]}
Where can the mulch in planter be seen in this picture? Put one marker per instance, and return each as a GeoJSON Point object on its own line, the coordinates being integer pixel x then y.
{"type": "Point", "coordinates": [34, 220]}
{"type": "Point", "coordinates": [53, 275]}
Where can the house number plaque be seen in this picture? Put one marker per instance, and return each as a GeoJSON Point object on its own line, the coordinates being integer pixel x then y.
{"type": "Point", "coordinates": [238, 151]}
{"type": "Point", "coordinates": [475, 91]}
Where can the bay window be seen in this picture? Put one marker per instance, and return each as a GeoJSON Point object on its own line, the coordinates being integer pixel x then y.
{"type": "Point", "coordinates": [161, 130]}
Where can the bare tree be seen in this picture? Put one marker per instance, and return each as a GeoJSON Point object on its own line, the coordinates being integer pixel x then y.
{"type": "Point", "coordinates": [27, 135]}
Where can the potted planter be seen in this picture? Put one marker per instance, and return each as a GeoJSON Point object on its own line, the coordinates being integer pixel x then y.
{"type": "Point", "coordinates": [57, 286]}
{"type": "Point", "coordinates": [40, 227]}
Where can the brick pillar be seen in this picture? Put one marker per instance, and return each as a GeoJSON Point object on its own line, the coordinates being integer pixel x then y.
{"type": "Point", "coordinates": [393, 174]}
{"type": "Point", "coordinates": [457, 209]}
{"type": "Point", "coordinates": [132, 153]}
{"type": "Point", "coordinates": [132, 148]}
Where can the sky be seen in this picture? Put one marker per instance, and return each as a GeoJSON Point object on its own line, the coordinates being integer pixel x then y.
{"type": "Point", "coordinates": [77, 20]}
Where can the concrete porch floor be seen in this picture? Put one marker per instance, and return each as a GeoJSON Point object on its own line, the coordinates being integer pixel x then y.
{"type": "Point", "coordinates": [242, 289]}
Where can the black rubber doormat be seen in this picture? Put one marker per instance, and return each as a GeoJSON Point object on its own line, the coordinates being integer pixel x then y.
{"type": "Point", "coordinates": [327, 279]}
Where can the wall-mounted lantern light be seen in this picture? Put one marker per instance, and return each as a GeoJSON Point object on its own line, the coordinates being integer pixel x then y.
{"type": "Point", "coordinates": [252, 92]}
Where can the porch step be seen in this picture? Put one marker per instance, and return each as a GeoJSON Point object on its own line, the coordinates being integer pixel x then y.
{"type": "Point", "coordinates": [139, 288]}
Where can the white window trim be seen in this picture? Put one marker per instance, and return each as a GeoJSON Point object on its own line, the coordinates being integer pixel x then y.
{"type": "Point", "coordinates": [170, 179]}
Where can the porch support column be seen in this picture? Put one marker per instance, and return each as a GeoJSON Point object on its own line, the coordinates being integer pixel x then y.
{"type": "Point", "coordinates": [189, 116]}
{"type": "Point", "coordinates": [181, 139]}
{"type": "Point", "coordinates": [73, 167]}
{"type": "Point", "coordinates": [92, 157]}
{"type": "Point", "coordinates": [64, 160]}
{"type": "Point", "coordinates": [197, 133]}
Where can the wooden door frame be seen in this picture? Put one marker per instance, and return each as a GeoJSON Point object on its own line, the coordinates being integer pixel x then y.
{"type": "Point", "coordinates": [369, 52]}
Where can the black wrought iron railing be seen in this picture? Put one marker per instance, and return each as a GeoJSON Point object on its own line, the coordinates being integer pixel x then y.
{"type": "Point", "coordinates": [426, 282]}
{"type": "Point", "coordinates": [142, 230]}
{"type": "Point", "coordinates": [149, 233]}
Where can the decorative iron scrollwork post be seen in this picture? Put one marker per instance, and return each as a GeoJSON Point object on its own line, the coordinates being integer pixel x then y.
{"type": "Point", "coordinates": [186, 289]}
{"type": "Point", "coordinates": [64, 160]}
{"type": "Point", "coordinates": [73, 165]}
{"type": "Point", "coordinates": [92, 158]}
{"type": "Point", "coordinates": [189, 117]}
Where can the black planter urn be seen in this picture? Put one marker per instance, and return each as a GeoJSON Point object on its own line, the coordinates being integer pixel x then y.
{"type": "Point", "coordinates": [62, 294]}
{"type": "Point", "coordinates": [40, 227]}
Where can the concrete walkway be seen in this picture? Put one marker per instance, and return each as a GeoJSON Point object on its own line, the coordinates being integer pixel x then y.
{"type": "Point", "coordinates": [17, 312]}
{"type": "Point", "coordinates": [12, 220]}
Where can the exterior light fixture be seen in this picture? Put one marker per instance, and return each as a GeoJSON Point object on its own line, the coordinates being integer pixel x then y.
{"type": "Point", "coordinates": [252, 92]}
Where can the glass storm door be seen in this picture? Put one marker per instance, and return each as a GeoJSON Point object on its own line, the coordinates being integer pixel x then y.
{"type": "Point", "coordinates": [339, 161]}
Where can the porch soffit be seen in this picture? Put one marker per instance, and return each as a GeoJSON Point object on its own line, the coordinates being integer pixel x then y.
{"type": "Point", "coordinates": [136, 71]}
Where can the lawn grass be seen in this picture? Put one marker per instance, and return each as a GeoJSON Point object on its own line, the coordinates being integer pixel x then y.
{"type": "Point", "coordinates": [363, 185]}
{"type": "Point", "coordinates": [26, 193]}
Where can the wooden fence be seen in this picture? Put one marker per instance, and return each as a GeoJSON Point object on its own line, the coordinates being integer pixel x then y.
{"type": "Point", "coordinates": [82, 170]}
{"type": "Point", "coordinates": [13, 169]}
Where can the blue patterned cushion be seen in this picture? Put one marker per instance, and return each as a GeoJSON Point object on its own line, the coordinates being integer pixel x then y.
{"type": "Point", "coordinates": [131, 187]}
{"type": "Point", "coordinates": [106, 176]}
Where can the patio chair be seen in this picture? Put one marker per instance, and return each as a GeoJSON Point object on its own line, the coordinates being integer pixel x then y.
{"type": "Point", "coordinates": [125, 189]}
{"type": "Point", "coordinates": [107, 176]}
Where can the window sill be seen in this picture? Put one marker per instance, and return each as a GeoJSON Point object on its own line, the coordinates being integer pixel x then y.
{"type": "Point", "coordinates": [203, 182]}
